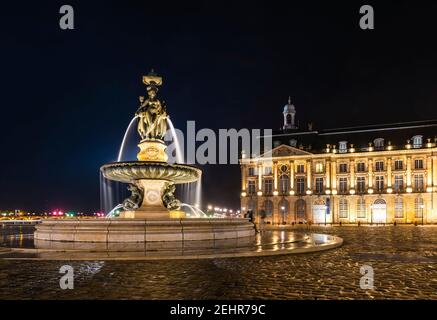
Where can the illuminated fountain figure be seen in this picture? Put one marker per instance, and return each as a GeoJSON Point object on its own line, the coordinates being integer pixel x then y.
{"type": "Point", "coordinates": [152, 180]}
{"type": "Point", "coordinates": [152, 213]}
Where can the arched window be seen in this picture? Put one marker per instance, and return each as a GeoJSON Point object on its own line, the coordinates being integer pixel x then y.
{"type": "Point", "coordinates": [288, 118]}
{"type": "Point", "coordinates": [399, 207]}
{"type": "Point", "coordinates": [283, 210]}
{"type": "Point", "coordinates": [417, 141]}
{"type": "Point", "coordinates": [342, 146]}
{"type": "Point", "coordinates": [343, 212]}
{"type": "Point", "coordinates": [379, 143]}
{"type": "Point", "coordinates": [418, 207]}
{"type": "Point", "coordinates": [284, 184]}
{"type": "Point", "coordinates": [268, 207]}
{"type": "Point", "coordinates": [361, 208]}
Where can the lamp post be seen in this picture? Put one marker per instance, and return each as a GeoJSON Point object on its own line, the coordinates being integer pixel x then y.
{"type": "Point", "coordinates": [422, 206]}
{"type": "Point", "coordinates": [371, 214]}
{"type": "Point", "coordinates": [283, 213]}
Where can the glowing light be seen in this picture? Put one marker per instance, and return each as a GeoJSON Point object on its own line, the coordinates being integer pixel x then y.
{"type": "Point", "coordinates": [328, 191]}
{"type": "Point", "coordinates": [243, 194]}
{"type": "Point", "coordinates": [370, 191]}
{"type": "Point", "coordinates": [259, 193]}
{"type": "Point", "coordinates": [209, 207]}
{"type": "Point", "coordinates": [429, 189]}
{"type": "Point", "coordinates": [334, 192]}
{"type": "Point", "coordinates": [308, 192]}
{"type": "Point", "coordinates": [292, 192]}
{"type": "Point", "coordinates": [352, 191]}
{"type": "Point", "coordinates": [389, 190]}
{"type": "Point", "coordinates": [409, 189]}
{"type": "Point", "coordinates": [275, 193]}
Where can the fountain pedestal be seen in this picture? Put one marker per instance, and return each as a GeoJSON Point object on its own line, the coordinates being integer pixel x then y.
{"type": "Point", "coordinates": [152, 206]}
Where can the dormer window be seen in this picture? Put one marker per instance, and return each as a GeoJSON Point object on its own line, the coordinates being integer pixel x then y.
{"type": "Point", "coordinates": [417, 141]}
{"type": "Point", "coordinates": [342, 146]}
{"type": "Point", "coordinates": [379, 143]}
{"type": "Point", "coordinates": [293, 143]}
{"type": "Point", "coordinates": [276, 143]}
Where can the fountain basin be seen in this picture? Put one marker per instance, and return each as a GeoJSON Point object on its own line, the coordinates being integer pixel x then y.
{"type": "Point", "coordinates": [143, 230]}
{"type": "Point", "coordinates": [130, 171]}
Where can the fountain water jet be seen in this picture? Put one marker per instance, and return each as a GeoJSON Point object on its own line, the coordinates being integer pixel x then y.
{"type": "Point", "coordinates": [120, 152]}
{"type": "Point", "coordinates": [179, 154]}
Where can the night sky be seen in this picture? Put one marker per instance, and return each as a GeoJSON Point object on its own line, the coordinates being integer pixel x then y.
{"type": "Point", "coordinates": [67, 96]}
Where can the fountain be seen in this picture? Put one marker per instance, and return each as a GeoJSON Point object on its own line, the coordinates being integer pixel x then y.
{"type": "Point", "coordinates": [152, 213]}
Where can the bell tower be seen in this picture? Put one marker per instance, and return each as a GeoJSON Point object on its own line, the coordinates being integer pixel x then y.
{"type": "Point", "coordinates": [289, 116]}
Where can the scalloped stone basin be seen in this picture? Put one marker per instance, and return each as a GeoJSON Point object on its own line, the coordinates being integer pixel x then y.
{"type": "Point", "coordinates": [143, 230]}
{"type": "Point", "coordinates": [130, 171]}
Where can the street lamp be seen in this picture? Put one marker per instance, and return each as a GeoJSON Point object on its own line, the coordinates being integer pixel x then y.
{"type": "Point", "coordinates": [283, 213]}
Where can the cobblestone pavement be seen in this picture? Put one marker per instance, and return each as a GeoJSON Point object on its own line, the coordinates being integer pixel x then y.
{"type": "Point", "coordinates": [404, 259]}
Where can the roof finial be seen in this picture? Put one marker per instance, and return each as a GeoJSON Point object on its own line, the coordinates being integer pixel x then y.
{"type": "Point", "coordinates": [289, 100]}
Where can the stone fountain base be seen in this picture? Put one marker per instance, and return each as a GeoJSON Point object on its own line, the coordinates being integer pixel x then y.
{"type": "Point", "coordinates": [143, 230]}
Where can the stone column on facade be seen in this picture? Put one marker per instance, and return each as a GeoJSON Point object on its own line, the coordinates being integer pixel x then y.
{"type": "Point", "coordinates": [309, 177]}
{"type": "Point", "coordinates": [429, 174]}
{"type": "Point", "coordinates": [370, 178]}
{"type": "Point", "coordinates": [260, 176]}
{"type": "Point", "coordinates": [292, 176]}
{"type": "Point", "coordinates": [334, 176]}
{"type": "Point", "coordinates": [243, 177]}
{"type": "Point", "coordinates": [328, 175]}
{"type": "Point", "coordinates": [275, 176]}
{"type": "Point", "coordinates": [409, 180]}
{"type": "Point", "coordinates": [352, 176]}
{"type": "Point", "coordinates": [389, 176]}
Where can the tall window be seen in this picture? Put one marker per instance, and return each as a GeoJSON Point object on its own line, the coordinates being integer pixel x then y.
{"type": "Point", "coordinates": [319, 167]}
{"type": "Point", "coordinates": [300, 168]}
{"type": "Point", "coordinates": [418, 207]}
{"type": "Point", "coordinates": [361, 184]}
{"type": "Point", "coordinates": [361, 208]}
{"type": "Point", "coordinates": [343, 168]}
{"type": "Point", "coordinates": [399, 183]}
{"type": "Point", "coordinates": [380, 183]}
{"type": "Point", "coordinates": [379, 143]}
{"type": "Point", "coordinates": [319, 185]}
{"type": "Point", "coordinates": [268, 207]}
{"type": "Point", "coordinates": [399, 165]}
{"type": "Point", "coordinates": [268, 171]}
{"type": "Point", "coordinates": [251, 171]}
{"type": "Point", "coordinates": [399, 207]}
{"type": "Point", "coordinates": [284, 182]}
{"type": "Point", "coordinates": [361, 167]}
{"type": "Point", "coordinates": [300, 185]}
{"type": "Point", "coordinates": [342, 146]}
{"type": "Point", "coordinates": [343, 212]}
{"type": "Point", "coordinates": [343, 185]}
{"type": "Point", "coordinates": [418, 183]}
{"type": "Point", "coordinates": [417, 141]}
{"type": "Point", "coordinates": [379, 165]}
{"type": "Point", "coordinates": [418, 164]}
{"type": "Point", "coordinates": [251, 189]}
{"type": "Point", "coordinates": [268, 186]}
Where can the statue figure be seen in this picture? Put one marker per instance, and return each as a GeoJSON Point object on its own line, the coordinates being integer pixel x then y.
{"type": "Point", "coordinates": [168, 198]}
{"type": "Point", "coordinates": [151, 113]}
{"type": "Point", "coordinates": [135, 199]}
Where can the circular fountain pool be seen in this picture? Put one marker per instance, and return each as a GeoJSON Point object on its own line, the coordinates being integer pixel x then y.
{"type": "Point", "coordinates": [18, 243]}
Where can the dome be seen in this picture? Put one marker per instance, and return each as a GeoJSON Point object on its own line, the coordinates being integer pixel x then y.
{"type": "Point", "coordinates": [289, 107]}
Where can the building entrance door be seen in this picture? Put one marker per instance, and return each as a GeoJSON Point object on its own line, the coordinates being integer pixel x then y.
{"type": "Point", "coordinates": [379, 211]}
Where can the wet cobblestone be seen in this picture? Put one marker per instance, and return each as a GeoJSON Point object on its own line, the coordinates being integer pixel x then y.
{"type": "Point", "coordinates": [404, 260]}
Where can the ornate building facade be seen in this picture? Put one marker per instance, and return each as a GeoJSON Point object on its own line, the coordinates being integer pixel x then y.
{"type": "Point", "coordinates": [368, 175]}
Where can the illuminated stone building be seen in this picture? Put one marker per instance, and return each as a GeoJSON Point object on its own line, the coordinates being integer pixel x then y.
{"type": "Point", "coordinates": [371, 174]}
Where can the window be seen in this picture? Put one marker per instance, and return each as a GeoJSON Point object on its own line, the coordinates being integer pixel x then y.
{"type": "Point", "coordinates": [380, 183]}
{"type": "Point", "coordinates": [379, 165]}
{"type": "Point", "coordinates": [399, 183]}
{"type": "Point", "coordinates": [379, 143]}
{"type": "Point", "coordinates": [300, 185]}
{"type": "Point", "coordinates": [361, 184]}
{"type": "Point", "coordinates": [342, 146]}
{"type": "Point", "coordinates": [361, 208]}
{"type": "Point", "coordinates": [343, 168]}
{"type": "Point", "coordinates": [268, 186]}
{"type": "Point", "coordinates": [418, 164]}
{"type": "Point", "coordinates": [399, 208]}
{"type": "Point", "coordinates": [293, 143]}
{"type": "Point", "coordinates": [284, 183]}
{"type": "Point", "coordinates": [319, 185]}
{"type": "Point", "coordinates": [343, 185]}
{"type": "Point", "coordinates": [268, 207]}
{"type": "Point", "coordinates": [417, 141]}
{"type": "Point", "coordinates": [300, 168]}
{"type": "Point", "coordinates": [319, 167]}
{"type": "Point", "coordinates": [251, 189]}
{"type": "Point", "coordinates": [343, 208]}
{"type": "Point", "coordinates": [418, 207]}
{"type": "Point", "coordinates": [399, 165]}
{"type": "Point", "coordinates": [284, 168]}
{"type": "Point", "coordinates": [268, 171]}
{"type": "Point", "coordinates": [251, 171]}
{"type": "Point", "coordinates": [361, 167]}
{"type": "Point", "coordinates": [418, 183]}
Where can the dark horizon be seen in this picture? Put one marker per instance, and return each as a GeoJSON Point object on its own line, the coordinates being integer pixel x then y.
{"type": "Point", "coordinates": [69, 95]}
